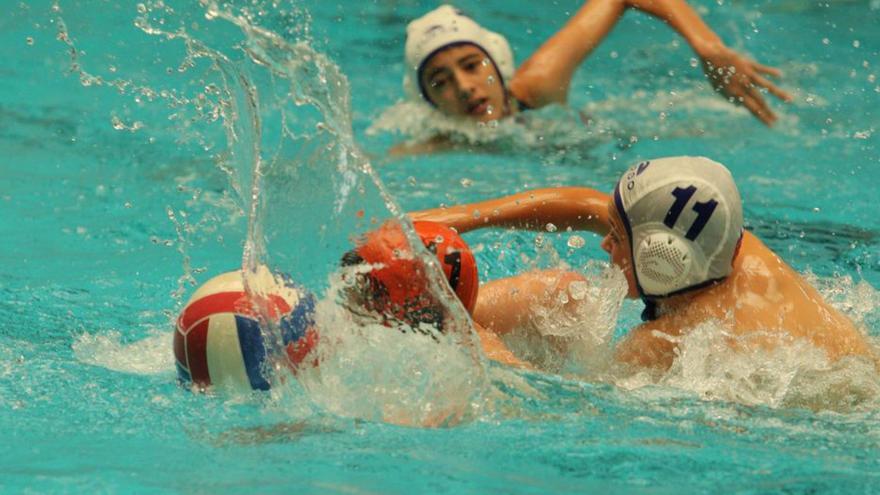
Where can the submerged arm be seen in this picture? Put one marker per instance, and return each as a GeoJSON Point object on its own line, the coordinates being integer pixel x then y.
{"type": "Point", "coordinates": [579, 208]}
{"type": "Point", "coordinates": [495, 349]}
{"type": "Point", "coordinates": [650, 345]}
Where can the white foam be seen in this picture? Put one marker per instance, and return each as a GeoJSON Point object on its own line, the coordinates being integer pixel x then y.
{"type": "Point", "coordinates": [550, 127]}
{"type": "Point", "coordinates": [770, 368]}
{"type": "Point", "coordinates": [149, 356]}
{"type": "Point", "coordinates": [380, 373]}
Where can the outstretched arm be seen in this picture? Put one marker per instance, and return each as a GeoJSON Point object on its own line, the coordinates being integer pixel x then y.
{"type": "Point", "coordinates": [580, 208]}
{"type": "Point", "coordinates": [734, 76]}
{"type": "Point", "coordinates": [545, 77]}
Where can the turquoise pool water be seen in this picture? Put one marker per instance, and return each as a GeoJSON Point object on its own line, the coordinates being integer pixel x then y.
{"type": "Point", "coordinates": [123, 188]}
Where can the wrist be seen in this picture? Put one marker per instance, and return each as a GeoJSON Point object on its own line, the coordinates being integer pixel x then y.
{"type": "Point", "coordinates": [706, 47]}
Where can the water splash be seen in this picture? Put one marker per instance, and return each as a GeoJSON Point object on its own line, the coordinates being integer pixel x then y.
{"type": "Point", "coordinates": [553, 128]}
{"type": "Point", "coordinates": [148, 356]}
{"type": "Point", "coordinates": [289, 154]}
{"type": "Point", "coordinates": [770, 368]}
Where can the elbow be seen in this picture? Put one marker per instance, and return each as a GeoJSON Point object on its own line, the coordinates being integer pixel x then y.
{"type": "Point", "coordinates": [536, 89]}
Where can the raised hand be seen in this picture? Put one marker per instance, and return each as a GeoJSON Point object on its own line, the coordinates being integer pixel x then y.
{"type": "Point", "coordinates": [740, 80]}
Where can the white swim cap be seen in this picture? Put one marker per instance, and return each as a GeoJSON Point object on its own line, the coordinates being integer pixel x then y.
{"type": "Point", "coordinates": [683, 216]}
{"type": "Point", "coordinates": [446, 26]}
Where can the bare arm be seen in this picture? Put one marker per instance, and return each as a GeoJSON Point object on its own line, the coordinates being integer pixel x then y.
{"type": "Point", "coordinates": [437, 144]}
{"type": "Point", "coordinates": [545, 77]}
{"type": "Point", "coordinates": [495, 349]}
{"type": "Point", "coordinates": [580, 208]}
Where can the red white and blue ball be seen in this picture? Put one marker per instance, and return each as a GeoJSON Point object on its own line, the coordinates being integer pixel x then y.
{"type": "Point", "coordinates": [218, 340]}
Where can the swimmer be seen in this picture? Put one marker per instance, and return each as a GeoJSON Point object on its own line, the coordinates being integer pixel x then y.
{"type": "Point", "coordinates": [466, 71]}
{"type": "Point", "coordinates": [674, 226]}
{"type": "Point", "coordinates": [392, 287]}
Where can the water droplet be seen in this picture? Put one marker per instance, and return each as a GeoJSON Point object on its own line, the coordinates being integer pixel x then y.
{"type": "Point", "coordinates": [614, 54]}
{"type": "Point", "coordinates": [29, 40]}
{"type": "Point", "coordinates": [856, 43]}
{"type": "Point", "coordinates": [116, 123]}
{"type": "Point", "coordinates": [465, 182]}
{"type": "Point", "coordinates": [826, 41]}
{"type": "Point", "coordinates": [576, 242]}
{"type": "Point", "coordinates": [694, 62]}
{"type": "Point", "coordinates": [476, 213]}
{"type": "Point", "coordinates": [141, 8]}
{"type": "Point", "coordinates": [550, 227]}
{"type": "Point", "coordinates": [578, 290]}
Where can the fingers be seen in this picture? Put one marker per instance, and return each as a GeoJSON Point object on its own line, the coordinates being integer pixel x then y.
{"type": "Point", "coordinates": [772, 88]}
{"type": "Point", "coordinates": [759, 109]}
{"type": "Point", "coordinates": [766, 69]}
{"type": "Point", "coordinates": [756, 95]}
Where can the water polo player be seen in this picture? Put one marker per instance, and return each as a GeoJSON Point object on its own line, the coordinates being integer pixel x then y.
{"type": "Point", "coordinates": [389, 282]}
{"type": "Point", "coordinates": [675, 228]}
{"type": "Point", "coordinates": [464, 70]}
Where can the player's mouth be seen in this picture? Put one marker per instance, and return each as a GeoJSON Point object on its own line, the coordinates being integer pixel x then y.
{"type": "Point", "coordinates": [478, 107]}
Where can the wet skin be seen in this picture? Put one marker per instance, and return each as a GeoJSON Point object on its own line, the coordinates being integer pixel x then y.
{"type": "Point", "coordinates": [763, 303]}
{"type": "Point", "coordinates": [462, 81]}
{"type": "Point", "coordinates": [616, 244]}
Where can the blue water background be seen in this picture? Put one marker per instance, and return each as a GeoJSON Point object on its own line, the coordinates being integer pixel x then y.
{"type": "Point", "coordinates": [88, 249]}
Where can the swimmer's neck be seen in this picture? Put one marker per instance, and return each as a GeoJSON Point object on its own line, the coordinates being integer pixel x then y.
{"type": "Point", "coordinates": [680, 302]}
{"type": "Point", "coordinates": [511, 106]}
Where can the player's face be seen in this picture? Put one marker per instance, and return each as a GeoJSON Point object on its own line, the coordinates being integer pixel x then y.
{"type": "Point", "coordinates": [462, 81]}
{"type": "Point", "coordinates": [616, 244]}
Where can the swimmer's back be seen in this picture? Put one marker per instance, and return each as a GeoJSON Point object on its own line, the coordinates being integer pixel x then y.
{"type": "Point", "coordinates": [765, 294]}
{"type": "Point", "coordinates": [764, 300]}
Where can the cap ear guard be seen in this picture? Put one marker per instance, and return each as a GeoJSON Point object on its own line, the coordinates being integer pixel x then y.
{"type": "Point", "coordinates": [662, 262]}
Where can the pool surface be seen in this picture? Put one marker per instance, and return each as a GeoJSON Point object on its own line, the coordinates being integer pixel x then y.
{"type": "Point", "coordinates": [146, 147]}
